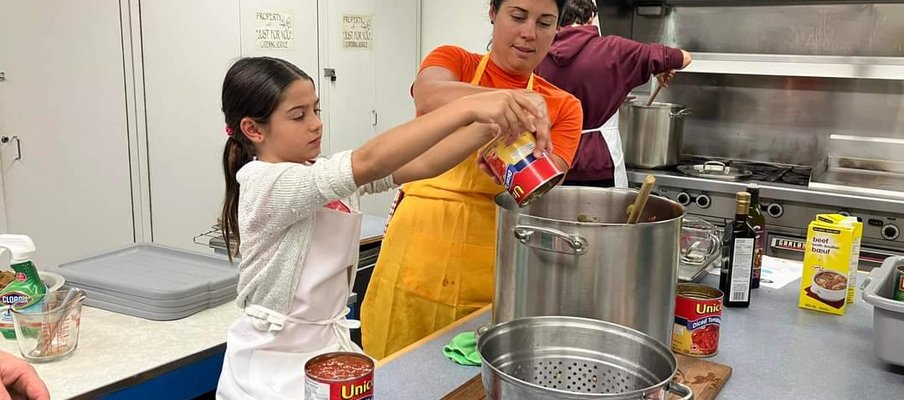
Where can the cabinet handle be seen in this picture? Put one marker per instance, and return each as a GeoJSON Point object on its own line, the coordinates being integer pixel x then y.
{"type": "Point", "coordinates": [7, 139]}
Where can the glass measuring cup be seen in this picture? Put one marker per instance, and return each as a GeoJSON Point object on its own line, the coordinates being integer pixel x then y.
{"type": "Point", "coordinates": [51, 333]}
{"type": "Point", "coordinates": [700, 240]}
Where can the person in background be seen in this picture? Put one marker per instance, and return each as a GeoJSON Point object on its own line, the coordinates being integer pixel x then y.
{"type": "Point", "coordinates": [437, 259]}
{"type": "Point", "coordinates": [601, 71]}
{"type": "Point", "coordinates": [20, 381]}
{"type": "Point", "coordinates": [295, 216]}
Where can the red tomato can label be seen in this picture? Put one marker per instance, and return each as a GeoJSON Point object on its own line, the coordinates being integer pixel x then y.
{"type": "Point", "coordinates": [339, 376]}
{"type": "Point", "coordinates": [899, 283]}
{"type": "Point", "coordinates": [524, 176]}
{"type": "Point", "coordinates": [698, 317]}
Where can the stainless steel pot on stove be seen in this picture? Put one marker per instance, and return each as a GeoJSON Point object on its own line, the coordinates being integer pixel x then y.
{"type": "Point", "coordinates": [652, 135]}
{"type": "Point", "coordinates": [549, 263]}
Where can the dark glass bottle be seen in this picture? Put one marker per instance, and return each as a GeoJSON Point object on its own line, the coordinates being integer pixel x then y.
{"type": "Point", "coordinates": [737, 256]}
{"type": "Point", "coordinates": [758, 222]}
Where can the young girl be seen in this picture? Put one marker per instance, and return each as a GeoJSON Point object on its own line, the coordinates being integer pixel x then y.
{"type": "Point", "coordinates": [296, 222]}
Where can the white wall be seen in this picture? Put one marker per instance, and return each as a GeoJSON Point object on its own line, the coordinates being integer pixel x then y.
{"type": "Point", "coordinates": [464, 23]}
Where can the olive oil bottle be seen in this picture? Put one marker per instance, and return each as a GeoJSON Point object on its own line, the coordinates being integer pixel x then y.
{"type": "Point", "coordinates": [738, 244]}
{"type": "Point", "coordinates": [758, 222]}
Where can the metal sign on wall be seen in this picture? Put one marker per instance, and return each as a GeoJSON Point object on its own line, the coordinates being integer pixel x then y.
{"type": "Point", "coordinates": [357, 31]}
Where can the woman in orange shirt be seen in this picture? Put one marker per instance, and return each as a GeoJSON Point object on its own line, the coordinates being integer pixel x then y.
{"type": "Point", "coordinates": [438, 255]}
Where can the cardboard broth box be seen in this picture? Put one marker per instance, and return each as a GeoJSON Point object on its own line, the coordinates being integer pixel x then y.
{"type": "Point", "coordinates": [827, 264]}
{"type": "Point", "coordinates": [855, 250]}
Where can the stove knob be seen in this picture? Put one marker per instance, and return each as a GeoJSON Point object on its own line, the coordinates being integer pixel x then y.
{"type": "Point", "coordinates": [683, 198]}
{"type": "Point", "coordinates": [844, 213]}
{"type": "Point", "coordinates": [775, 210]}
{"type": "Point", "coordinates": [890, 232]}
{"type": "Point", "coordinates": [703, 201]}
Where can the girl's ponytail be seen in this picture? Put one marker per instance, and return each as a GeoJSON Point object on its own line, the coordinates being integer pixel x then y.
{"type": "Point", "coordinates": [235, 155]}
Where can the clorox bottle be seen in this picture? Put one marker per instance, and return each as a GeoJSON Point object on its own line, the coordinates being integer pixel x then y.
{"type": "Point", "coordinates": [26, 291]}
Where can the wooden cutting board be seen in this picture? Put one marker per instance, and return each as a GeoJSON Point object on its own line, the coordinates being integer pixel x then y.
{"type": "Point", "coordinates": [705, 378]}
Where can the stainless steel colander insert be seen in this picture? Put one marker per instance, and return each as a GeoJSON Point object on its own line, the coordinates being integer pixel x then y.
{"type": "Point", "coordinates": [576, 374]}
{"type": "Point", "coordinates": [568, 357]}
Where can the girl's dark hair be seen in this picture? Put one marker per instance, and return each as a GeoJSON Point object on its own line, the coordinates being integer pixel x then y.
{"type": "Point", "coordinates": [578, 11]}
{"type": "Point", "coordinates": [560, 4]}
{"type": "Point", "coordinates": [253, 88]}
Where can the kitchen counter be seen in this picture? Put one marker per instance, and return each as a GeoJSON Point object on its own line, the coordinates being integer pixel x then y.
{"type": "Point", "coordinates": [776, 349]}
{"type": "Point", "coordinates": [116, 351]}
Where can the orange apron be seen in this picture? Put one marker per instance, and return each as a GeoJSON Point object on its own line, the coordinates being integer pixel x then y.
{"type": "Point", "coordinates": [437, 258]}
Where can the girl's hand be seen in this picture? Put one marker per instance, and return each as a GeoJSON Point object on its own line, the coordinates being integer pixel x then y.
{"type": "Point", "coordinates": [513, 112]}
{"type": "Point", "coordinates": [541, 123]}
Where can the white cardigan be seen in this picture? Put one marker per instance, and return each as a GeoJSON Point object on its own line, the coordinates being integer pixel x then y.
{"type": "Point", "coordinates": [276, 210]}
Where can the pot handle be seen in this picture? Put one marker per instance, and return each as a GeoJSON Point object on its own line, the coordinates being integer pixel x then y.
{"type": "Point", "coordinates": [681, 113]}
{"type": "Point", "coordinates": [482, 331]}
{"type": "Point", "coordinates": [681, 390]}
{"type": "Point", "coordinates": [548, 239]}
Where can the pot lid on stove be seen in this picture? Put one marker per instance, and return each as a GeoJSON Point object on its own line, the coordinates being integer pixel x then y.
{"type": "Point", "coordinates": [715, 170]}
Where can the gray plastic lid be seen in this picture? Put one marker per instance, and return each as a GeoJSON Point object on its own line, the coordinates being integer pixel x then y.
{"type": "Point", "coordinates": [152, 313]}
{"type": "Point", "coordinates": [151, 271]}
{"type": "Point", "coordinates": [134, 301]}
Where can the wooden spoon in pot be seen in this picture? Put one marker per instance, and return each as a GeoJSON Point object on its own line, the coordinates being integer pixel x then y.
{"type": "Point", "coordinates": [655, 93]}
{"type": "Point", "coordinates": [636, 209]}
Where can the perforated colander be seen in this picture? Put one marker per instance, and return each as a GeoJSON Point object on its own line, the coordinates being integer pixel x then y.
{"type": "Point", "coordinates": [574, 358]}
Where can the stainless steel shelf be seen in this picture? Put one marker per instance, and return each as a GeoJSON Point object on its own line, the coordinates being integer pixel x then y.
{"type": "Point", "coordinates": [889, 68]}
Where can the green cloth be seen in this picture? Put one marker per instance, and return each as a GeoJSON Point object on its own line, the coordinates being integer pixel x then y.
{"type": "Point", "coordinates": [463, 349]}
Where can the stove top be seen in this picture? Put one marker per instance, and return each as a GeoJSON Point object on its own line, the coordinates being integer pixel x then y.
{"type": "Point", "coordinates": [798, 175]}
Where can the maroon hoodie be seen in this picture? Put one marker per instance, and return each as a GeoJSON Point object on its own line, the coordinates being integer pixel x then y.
{"type": "Point", "coordinates": [601, 71]}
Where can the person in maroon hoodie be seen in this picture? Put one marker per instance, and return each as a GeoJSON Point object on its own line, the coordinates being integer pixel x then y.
{"type": "Point", "coordinates": [601, 71]}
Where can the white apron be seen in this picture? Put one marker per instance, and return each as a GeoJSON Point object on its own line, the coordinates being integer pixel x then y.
{"type": "Point", "coordinates": [609, 130]}
{"type": "Point", "coordinates": [266, 351]}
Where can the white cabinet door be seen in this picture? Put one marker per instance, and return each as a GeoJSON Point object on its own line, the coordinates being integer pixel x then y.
{"type": "Point", "coordinates": [63, 97]}
{"type": "Point", "coordinates": [373, 47]}
{"type": "Point", "coordinates": [466, 25]}
{"type": "Point", "coordinates": [347, 49]}
{"type": "Point", "coordinates": [285, 29]}
{"type": "Point", "coordinates": [188, 47]}
{"type": "Point", "coordinates": [396, 62]}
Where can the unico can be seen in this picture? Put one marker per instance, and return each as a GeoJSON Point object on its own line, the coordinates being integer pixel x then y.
{"type": "Point", "coordinates": [339, 376]}
{"type": "Point", "coordinates": [698, 317]}
{"type": "Point", "coordinates": [899, 283]}
{"type": "Point", "coordinates": [524, 176]}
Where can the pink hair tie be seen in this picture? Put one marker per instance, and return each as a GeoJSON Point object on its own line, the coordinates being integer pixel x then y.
{"type": "Point", "coordinates": [228, 131]}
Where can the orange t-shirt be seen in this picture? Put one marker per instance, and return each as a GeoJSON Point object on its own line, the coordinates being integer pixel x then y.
{"type": "Point", "coordinates": [564, 109]}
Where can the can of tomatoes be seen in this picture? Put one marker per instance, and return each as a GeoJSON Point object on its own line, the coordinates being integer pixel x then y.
{"type": "Point", "coordinates": [339, 376]}
{"type": "Point", "coordinates": [524, 176]}
{"type": "Point", "coordinates": [899, 283]}
{"type": "Point", "coordinates": [698, 317]}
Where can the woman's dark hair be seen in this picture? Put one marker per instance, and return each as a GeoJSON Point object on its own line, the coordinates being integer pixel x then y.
{"type": "Point", "coordinates": [560, 4]}
{"type": "Point", "coordinates": [578, 12]}
{"type": "Point", "coordinates": [253, 88]}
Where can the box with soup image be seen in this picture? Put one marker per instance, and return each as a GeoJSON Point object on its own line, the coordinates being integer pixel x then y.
{"type": "Point", "coordinates": [829, 261]}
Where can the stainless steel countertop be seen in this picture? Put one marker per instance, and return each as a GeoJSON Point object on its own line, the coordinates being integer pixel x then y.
{"type": "Point", "coordinates": [881, 184]}
{"type": "Point", "coordinates": [777, 350]}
